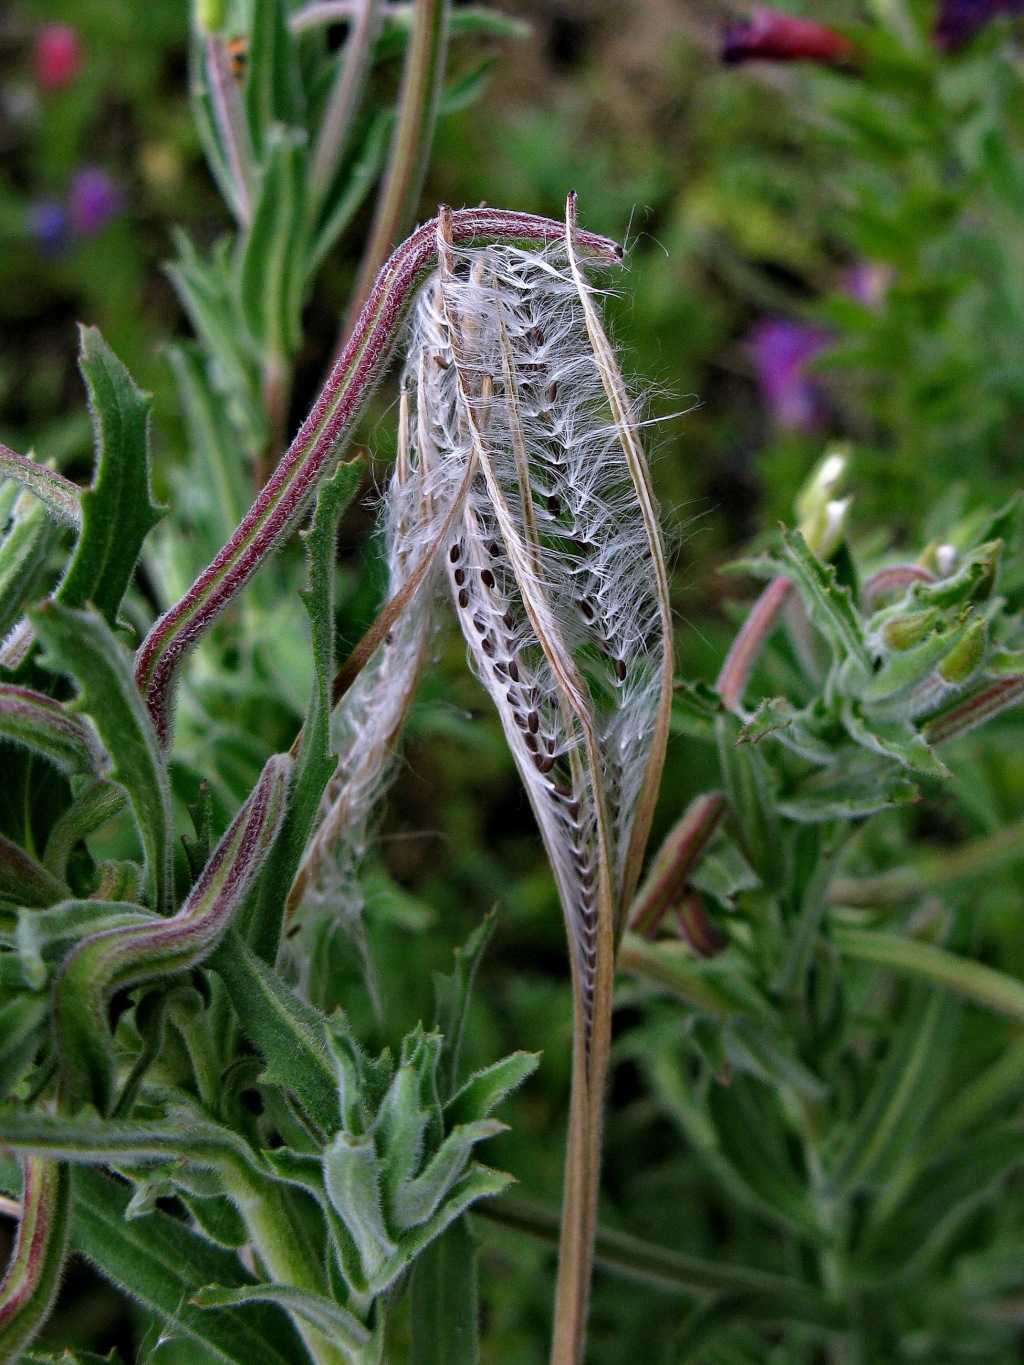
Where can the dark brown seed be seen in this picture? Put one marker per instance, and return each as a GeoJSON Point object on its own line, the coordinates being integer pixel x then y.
{"type": "Point", "coordinates": [574, 810]}
{"type": "Point", "coordinates": [487, 578]}
{"type": "Point", "coordinates": [459, 576]}
{"type": "Point", "coordinates": [501, 670]}
{"type": "Point", "coordinates": [513, 670]}
{"type": "Point", "coordinates": [551, 746]}
{"type": "Point", "coordinates": [508, 620]}
{"type": "Point", "coordinates": [493, 548]}
{"type": "Point", "coordinates": [561, 791]}
{"type": "Point", "coordinates": [533, 720]}
{"type": "Point", "coordinates": [531, 743]}
{"type": "Point", "coordinates": [487, 647]}
{"type": "Point", "coordinates": [546, 764]}
{"type": "Point", "coordinates": [512, 698]}
{"type": "Point", "coordinates": [463, 598]}
{"type": "Point", "coordinates": [552, 391]}
{"type": "Point", "coordinates": [620, 670]}
{"type": "Point", "coordinates": [480, 624]}
{"type": "Point", "coordinates": [554, 505]}
{"type": "Point", "coordinates": [454, 552]}
{"type": "Point", "coordinates": [519, 719]}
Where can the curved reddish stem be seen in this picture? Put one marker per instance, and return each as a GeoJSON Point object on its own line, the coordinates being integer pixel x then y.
{"type": "Point", "coordinates": [331, 422]}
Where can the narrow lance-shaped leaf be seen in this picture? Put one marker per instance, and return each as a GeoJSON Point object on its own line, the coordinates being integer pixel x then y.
{"type": "Point", "coordinates": [24, 881]}
{"type": "Point", "coordinates": [82, 646]}
{"type": "Point", "coordinates": [94, 805]}
{"type": "Point", "coordinates": [355, 376]}
{"type": "Point", "coordinates": [61, 498]}
{"type": "Point", "coordinates": [271, 272]}
{"type": "Point", "coordinates": [443, 1290]}
{"type": "Point", "coordinates": [161, 1264]}
{"type": "Point", "coordinates": [118, 958]}
{"type": "Point", "coordinates": [337, 1323]}
{"type": "Point", "coordinates": [118, 511]}
{"type": "Point", "coordinates": [315, 762]}
{"type": "Point", "coordinates": [44, 726]}
{"type": "Point", "coordinates": [33, 1276]}
{"type": "Point", "coordinates": [290, 1034]}
{"type": "Point", "coordinates": [24, 559]}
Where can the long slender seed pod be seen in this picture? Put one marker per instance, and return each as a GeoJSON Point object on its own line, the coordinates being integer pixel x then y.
{"type": "Point", "coordinates": [556, 569]}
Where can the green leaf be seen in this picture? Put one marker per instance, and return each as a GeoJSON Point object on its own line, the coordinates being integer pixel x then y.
{"type": "Point", "coordinates": [466, 89]}
{"type": "Point", "coordinates": [451, 1001]}
{"type": "Point", "coordinates": [60, 497]}
{"type": "Point", "coordinates": [271, 273]}
{"type": "Point", "coordinates": [161, 1264]}
{"type": "Point", "coordinates": [207, 293]}
{"type": "Point", "coordinates": [419, 1199]}
{"type": "Point", "coordinates": [902, 1095]}
{"type": "Point", "coordinates": [118, 511]}
{"type": "Point", "coordinates": [337, 1324]}
{"type": "Point", "coordinates": [973, 980]}
{"type": "Point", "coordinates": [443, 1289]}
{"type": "Point", "coordinates": [43, 937]}
{"type": "Point", "coordinates": [94, 805]}
{"type": "Point", "coordinates": [845, 793]}
{"type": "Point", "coordinates": [947, 1190]}
{"type": "Point", "coordinates": [24, 558]}
{"type": "Point", "coordinates": [893, 739]}
{"type": "Point", "coordinates": [82, 646]}
{"type": "Point", "coordinates": [22, 1032]}
{"type": "Point", "coordinates": [829, 606]}
{"type": "Point", "coordinates": [129, 955]}
{"type": "Point", "coordinates": [485, 1090]}
{"type": "Point", "coordinates": [316, 762]}
{"type": "Point", "coordinates": [216, 458]}
{"type": "Point", "coordinates": [356, 181]}
{"type": "Point", "coordinates": [33, 1276]}
{"type": "Point", "coordinates": [25, 881]}
{"type": "Point", "coordinates": [290, 1034]}
{"type": "Point", "coordinates": [271, 82]}
{"type": "Point", "coordinates": [753, 801]}
{"type": "Point", "coordinates": [43, 726]}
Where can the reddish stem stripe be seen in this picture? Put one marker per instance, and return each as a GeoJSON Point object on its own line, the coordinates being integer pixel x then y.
{"type": "Point", "coordinates": [732, 680]}
{"type": "Point", "coordinates": [352, 381]}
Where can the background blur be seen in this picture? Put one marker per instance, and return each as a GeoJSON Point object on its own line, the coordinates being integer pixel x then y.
{"type": "Point", "coordinates": [815, 253]}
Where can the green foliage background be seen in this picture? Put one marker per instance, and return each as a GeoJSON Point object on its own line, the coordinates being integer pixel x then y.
{"type": "Point", "coordinates": [742, 193]}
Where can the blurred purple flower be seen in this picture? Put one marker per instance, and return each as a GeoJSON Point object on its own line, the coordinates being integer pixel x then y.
{"type": "Point", "coordinates": [773, 36]}
{"type": "Point", "coordinates": [48, 225]}
{"type": "Point", "coordinates": [780, 349]}
{"type": "Point", "coordinates": [959, 20]}
{"type": "Point", "coordinates": [95, 199]}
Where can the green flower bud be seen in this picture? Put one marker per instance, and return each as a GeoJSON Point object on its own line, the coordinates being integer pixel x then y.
{"type": "Point", "coordinates": [967, 653]}
{"type": "Point", "coordinates": [900, 632]}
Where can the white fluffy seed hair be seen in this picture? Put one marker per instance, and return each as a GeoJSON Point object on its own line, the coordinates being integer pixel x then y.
{"type": "Point", "coordinates": [517, 478]}
{"type": "Point", "coordinates": [549, 560]}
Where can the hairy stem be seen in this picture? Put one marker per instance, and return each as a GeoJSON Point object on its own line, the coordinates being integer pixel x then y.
{"type": "Point", "coordinates": [322, 436]}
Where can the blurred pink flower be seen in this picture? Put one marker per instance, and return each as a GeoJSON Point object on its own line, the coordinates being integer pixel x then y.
{"type": "Point", "coordinates": [777, 37]}
{"type": "Point", "coordinates": [780, 349]}
{"type": "Point", "coordinates": [959, 20]}
{"type": "Point", "coordinates": [95, 199]}
{"type": "Point", "coordinates": [56, 55]}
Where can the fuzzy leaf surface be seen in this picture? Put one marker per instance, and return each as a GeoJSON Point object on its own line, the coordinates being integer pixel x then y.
{"type": "Point", "coordinates": [118, 511]}
{"type": "Point", "coordinates": [82, 646]}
